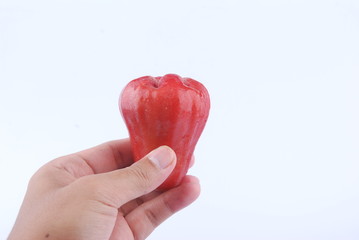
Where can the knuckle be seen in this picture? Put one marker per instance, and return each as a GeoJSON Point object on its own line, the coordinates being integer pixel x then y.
{"type": "Point", "coordinates": [38, 176]}
{"type": "Point", "coordinates": [94, 189]}
{"type": "Point", "coordinates": [152, 218]}
{"type": "Point", "coordinates": [141, 177]}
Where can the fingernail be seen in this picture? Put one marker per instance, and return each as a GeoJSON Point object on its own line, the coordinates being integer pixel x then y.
{"type": "Point", "coordinates": [161, 157]}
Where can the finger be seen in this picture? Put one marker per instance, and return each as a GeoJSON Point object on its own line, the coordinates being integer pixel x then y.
{"type": "Point", "coordinates": [121, 186]}
{"type": "Point", "coordinates": [144, 219]}
{"type": "Point", "coordinates": [102, 158]}
{"type": "Point", "coordinates": [121, 229]}
{"type": "Point", "coordinates": [131, 205]}
{"type": "Point", "coordinates": [128, 207]}
{"type": "Point", "coordinates": [65, 170]}
{"type": "Point", "coordinates": [108, 156]}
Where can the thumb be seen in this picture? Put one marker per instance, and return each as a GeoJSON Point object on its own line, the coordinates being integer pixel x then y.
{"type": "Point", "coordinates": [120, 186]}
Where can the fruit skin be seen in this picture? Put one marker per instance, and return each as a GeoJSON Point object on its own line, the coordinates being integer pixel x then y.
{"type": "Point", "coordinates": [167, 110]}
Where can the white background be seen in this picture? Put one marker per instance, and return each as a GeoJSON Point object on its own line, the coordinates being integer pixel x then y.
{"type": "Point", "coordinates": [279, 158]}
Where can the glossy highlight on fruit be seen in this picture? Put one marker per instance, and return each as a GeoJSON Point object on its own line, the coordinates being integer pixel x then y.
{"type": "Point", "coordinates": [168, 110]}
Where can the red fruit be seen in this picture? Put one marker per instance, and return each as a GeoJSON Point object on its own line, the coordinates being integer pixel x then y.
{"type": "Point", "coordinates": [167, 110]}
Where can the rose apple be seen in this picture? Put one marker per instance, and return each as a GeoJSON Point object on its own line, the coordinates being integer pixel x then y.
{"type": "Point", "coordinates": [167, 110]}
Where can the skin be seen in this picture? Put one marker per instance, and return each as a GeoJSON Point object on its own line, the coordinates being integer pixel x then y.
{"type": "Point", "coordinates": [100, 193]}
{"type": "Point", "coordinates": [168, 110]}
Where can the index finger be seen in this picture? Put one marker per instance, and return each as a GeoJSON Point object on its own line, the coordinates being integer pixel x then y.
{"type": "Point", "coordinates": [108, 156]}
{"type": "Point", "coordinates": [105, 157]}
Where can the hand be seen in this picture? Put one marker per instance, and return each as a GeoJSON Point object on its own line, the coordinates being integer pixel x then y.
{"type": "Point", "coordinates": [100, 193]}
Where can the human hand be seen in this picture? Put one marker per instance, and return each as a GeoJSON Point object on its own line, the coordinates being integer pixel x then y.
{"type": "Point", "coordinates": [100, 193]}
